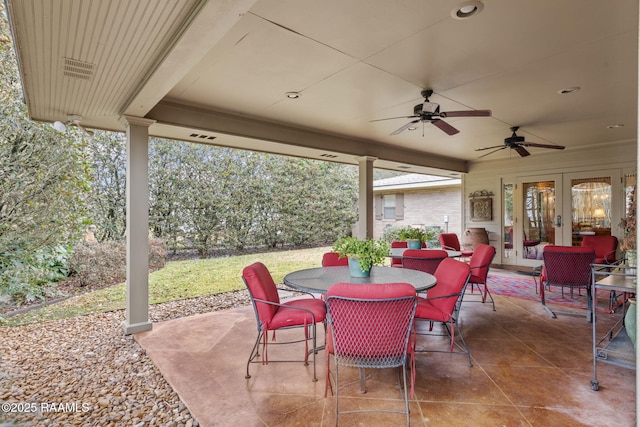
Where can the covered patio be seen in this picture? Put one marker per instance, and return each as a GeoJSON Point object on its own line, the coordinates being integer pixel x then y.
{"type": "Point", "coordinates": [528, 369]}
{"type": "Point", "coordinates": [312, 79]}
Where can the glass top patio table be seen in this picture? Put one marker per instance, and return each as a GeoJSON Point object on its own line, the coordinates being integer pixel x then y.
{"type": "Point", "coordinates": [318, 280]}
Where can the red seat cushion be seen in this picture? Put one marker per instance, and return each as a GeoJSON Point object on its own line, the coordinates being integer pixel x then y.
{"type": "Point", "coordinates": [290, 317]}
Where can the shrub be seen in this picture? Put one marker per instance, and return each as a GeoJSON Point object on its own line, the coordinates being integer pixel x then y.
{"type": "Point", "coordinates": [96, 263]}
{"type": "Point", "coordinates": [106, 263]}
{"type": "Point", "coordinates": [24, 275]}
{"type": "Point", "coordinates": [157, 253]}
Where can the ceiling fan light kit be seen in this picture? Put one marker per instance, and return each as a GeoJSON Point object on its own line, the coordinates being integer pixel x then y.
{"type": "Point", "coordinates": [430, 112]}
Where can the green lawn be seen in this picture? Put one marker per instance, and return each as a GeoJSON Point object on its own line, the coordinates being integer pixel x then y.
{"type": "Point", "coordinates": [178, 280]}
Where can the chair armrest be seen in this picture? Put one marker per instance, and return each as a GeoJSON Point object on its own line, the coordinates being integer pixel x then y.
{"type": "Point", "coordinates": [313, 317]}
{"type": "Point", "coordinates": [298, 290]}
{"type": "Point", "coordinates": [439, 297]}
{"type": "Point", "coordinates": [480, 266]}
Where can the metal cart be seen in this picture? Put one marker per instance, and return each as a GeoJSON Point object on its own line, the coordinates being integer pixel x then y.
{"type": "Point", "coordinates": [614, 346]}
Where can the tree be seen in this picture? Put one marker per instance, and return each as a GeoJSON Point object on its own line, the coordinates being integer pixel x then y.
{"type": "Point", "coordinates": [43, 186]}
{"type": "Point", "coordinates": [107, 199]}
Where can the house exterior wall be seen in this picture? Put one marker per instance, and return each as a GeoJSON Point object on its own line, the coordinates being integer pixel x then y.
{"type": "Point", "coordinates": [423, 207]}
{"type": "Point", "coordinates": [490, 176]}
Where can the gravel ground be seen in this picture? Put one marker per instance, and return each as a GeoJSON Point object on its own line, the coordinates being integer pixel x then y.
{"type": "Point", "coordinates": [83, 371]}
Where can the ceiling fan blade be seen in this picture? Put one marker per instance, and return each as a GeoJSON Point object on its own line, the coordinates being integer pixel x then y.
{"type": "Point", "coordinates": [522, 151]}
{"type": "Point", "coordinates": [489, 148]}
{"type": "Point", "coordinates": [491, 152]}
{"type": "Point", "coordinates": [445, 127]}
{"type": "Point", "coordinates": [533, 144]}
{"type": "Point", "coordinates": [467, 113]}
{"type": "Point", "coordinates": [393, 118]}
{"type": "Point", "coordinates": [405, 127]}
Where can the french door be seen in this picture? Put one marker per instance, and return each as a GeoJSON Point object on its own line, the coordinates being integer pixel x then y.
{"type": "Point", "coordinates": [558, 209]}
{"type": "Point", "coordinates": [537, 217]}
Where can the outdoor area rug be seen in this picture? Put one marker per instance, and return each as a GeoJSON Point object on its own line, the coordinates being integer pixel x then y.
{"type": "Point", "coordinates": [524, 287]}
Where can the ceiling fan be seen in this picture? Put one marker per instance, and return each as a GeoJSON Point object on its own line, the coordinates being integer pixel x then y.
{"type": "Point", "coordinates": [430, 112]}
{"type": "Point", "coordinates": [518, 143]}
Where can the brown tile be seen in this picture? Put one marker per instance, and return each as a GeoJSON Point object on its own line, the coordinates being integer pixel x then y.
{"type": "Point", "coordinates": [464, 415]}
{"type": "Point", "coordinates": [529, 369]}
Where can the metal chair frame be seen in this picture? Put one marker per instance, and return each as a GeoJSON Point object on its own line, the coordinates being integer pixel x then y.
{"type": "Point", "coordinates": [567, 266]}
{"type": "Point", "coordinates": [356, 327]}
{"type": "Point", "coordinates": [310, 333]}
{"type": "Point", "coordinates": [484, 292]}
{"type": "Point", "coordinates": [449, 324]}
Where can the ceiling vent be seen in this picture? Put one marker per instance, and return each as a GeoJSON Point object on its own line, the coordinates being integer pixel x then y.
{"type": "Point", "coordinates": [78, 69]}
{"type": "Point", "coordinates": [202, 136]}
{"type": "Point", "coordinates": [329, 156]}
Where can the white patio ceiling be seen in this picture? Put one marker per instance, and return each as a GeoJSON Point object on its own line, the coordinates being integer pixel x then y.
{"type": "Point", "coordinates": [220, 69]}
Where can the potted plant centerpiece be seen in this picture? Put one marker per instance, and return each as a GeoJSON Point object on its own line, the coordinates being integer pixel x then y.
{"type": "Point", "coordinates": [362, 253]}
{"type": "Point", "coordinates": [414, 236]}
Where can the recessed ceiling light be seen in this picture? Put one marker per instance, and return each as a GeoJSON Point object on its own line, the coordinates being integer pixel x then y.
{"type": "Point", "coordinates": [616, 126]}
{"type": "Point", "coordinates": [412, 128]}
{"type": "Point", "coordinates": [292, 95]}
{"type": "Point", "coordinates": [467, 10]}
{"type": "Point", "coordinates": [567, 90]}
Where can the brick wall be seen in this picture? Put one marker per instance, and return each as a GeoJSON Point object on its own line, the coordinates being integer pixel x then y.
{"type": "Point", "coordinates": [425, 207]}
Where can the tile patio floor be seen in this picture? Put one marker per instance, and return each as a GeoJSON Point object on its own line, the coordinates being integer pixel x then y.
{"type": "Point", "coordinates": [528, 370]}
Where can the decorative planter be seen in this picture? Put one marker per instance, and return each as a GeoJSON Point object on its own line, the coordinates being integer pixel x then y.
{"type": "Point", "coordinates": [355, 270]}
{"type": "Point", "coordinates": [473, 236]}
{"type": "Point", "coordinates": [414, 244]}
{"type": "Point", "coordinates": [630, 321]}
{"type": "Point", "coordinates": [632, 257]}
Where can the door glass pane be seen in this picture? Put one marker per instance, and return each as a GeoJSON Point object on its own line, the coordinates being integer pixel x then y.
{"type": "Point", "coordinates": [507, 196]}
{"type": "Point", "coordinates": [590, 208]}
{"type": "Point", "coordinates": [539, 207]}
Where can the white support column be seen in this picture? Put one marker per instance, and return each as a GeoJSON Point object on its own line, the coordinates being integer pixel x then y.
{"type": "Point", "coordinates": [365, 196]}
{"type": "Point", "coordinates": [137, 224]}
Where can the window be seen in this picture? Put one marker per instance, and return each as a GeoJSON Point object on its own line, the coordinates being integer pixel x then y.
{"type": "Point", "coordinates": [389, 206]}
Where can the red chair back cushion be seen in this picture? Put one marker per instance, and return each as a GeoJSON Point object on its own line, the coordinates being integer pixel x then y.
{"type": "Point", "coordinates": [604, 247]}
{"type": "Point", "coordinates": [332, 259]}
{"type": "Point", "coordinates": [452, 276]}
{"type": "Point", "coordinates": [426, 260]}
{"type": "Point", "coordinates": [568, 265]}
{"type": "Point", "coordinates": [370, 322]}
{"type": "Point", "coordinates": [261, 286]}
{"type": "Point", "coordinates": [449, 241]}
{"type": "Point", "coordinates": [480, 262]}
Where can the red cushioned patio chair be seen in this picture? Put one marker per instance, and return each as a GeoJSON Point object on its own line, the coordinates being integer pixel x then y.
{"type": "Point", "coordinates": [480, 263]}
{"type": "Point", "coordinates": [606, 248]}
{"type": "Point", "coordinates": [397, 262]}
{"type": "Point", "coordinates": [272, 315]}
{"type": "Point", "coordinates": [450, 242]}
{"type": "Point", "coordinates": [369, 326]}
{"type": "Point", "coordinates": [443, 304]}
{"type": "Point", "coordinates": [426, 260]}
{"type": "Point", "coordinates": [332, 259]}
{"type": "Point", "coordinates": [567, 266]}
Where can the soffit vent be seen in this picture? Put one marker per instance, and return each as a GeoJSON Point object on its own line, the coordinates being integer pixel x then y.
{"type": "Point", "coordinates": [329, 156]}
{"type": "Point", "coordinates": [78, 69]}
{"type": "Point", "coordinates": [201, 136]}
